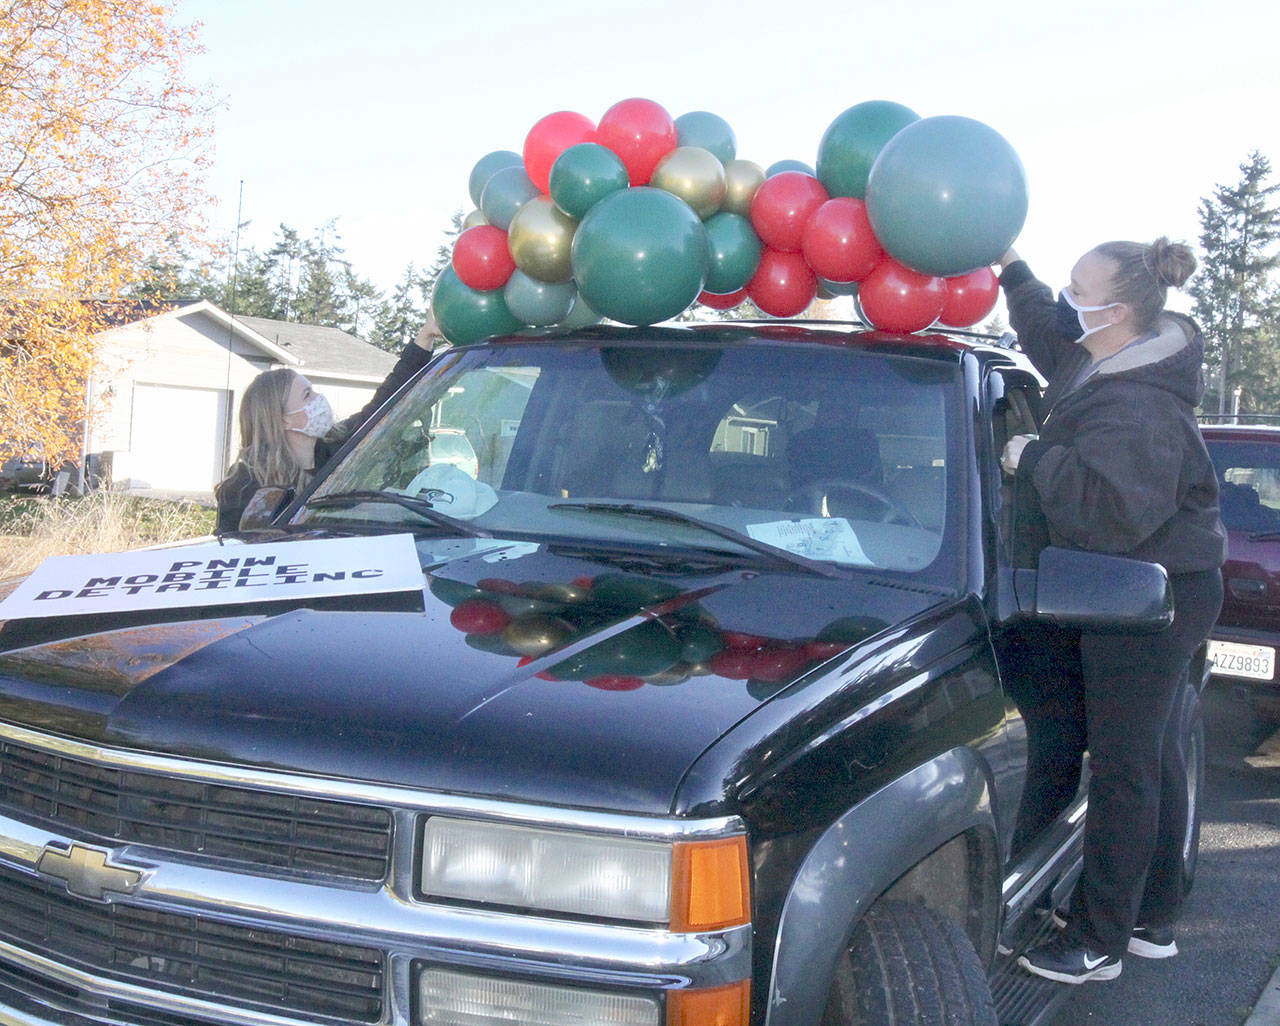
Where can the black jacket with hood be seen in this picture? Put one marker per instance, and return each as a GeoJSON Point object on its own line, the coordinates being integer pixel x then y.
{"type": "Point", "coordinates": [237, 488]}
{"type": "Point", "coordinates": [1120, 466]}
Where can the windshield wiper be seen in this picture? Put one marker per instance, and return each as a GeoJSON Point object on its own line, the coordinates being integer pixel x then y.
{"type": "Point", "coordinates": [791, 559]}
{"type": "Point", "coordinates": [421, 507]}
{"type": "Point", "coordinates": [1265, 536]}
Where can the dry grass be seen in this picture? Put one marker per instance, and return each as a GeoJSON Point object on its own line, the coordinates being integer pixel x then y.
{"type": "Point", "coordinates": [33, 529]}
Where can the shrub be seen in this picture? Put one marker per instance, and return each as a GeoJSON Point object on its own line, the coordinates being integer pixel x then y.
{"type": "Point", "coordinates": [33, 529]}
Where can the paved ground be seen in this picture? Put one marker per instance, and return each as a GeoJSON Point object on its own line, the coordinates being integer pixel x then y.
{"type": "Point", "coordinates": [1230, 934]}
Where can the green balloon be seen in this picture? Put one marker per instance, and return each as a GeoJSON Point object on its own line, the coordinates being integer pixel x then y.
{"type": "Point", "coordinates": [838, 288]}
{"type": "Point", "coordinates": [665, 371]}
{"type": "Point", "coordinates": [630, 592]}
{"type": "Point", "coordinates": [645, 649]}
{"type": "Point", "coordinates": [580, 315]}
{"type": "Point", "coordinates": [735, 252]}
{"type": "Point", "coordinates": [504, 194]}
{"type": "Point", "coordinates": [466, 316]}
{"type": "Point", "coordinates": [853, 141]}
{"type": "Point", "coordinates": [452, 592]}
{"type": "Point", "coordinates": [947, 196]}
{"type": "Point", "coordinates": [485, 169]}
{"type": "Point", "coordinates": [709, 131]}
{"type": "Point", "coordinates": [539, 303]}
{"type": "Point", "coordinates": [778, 166]}
{"type": "Point", "coordinates": [640, 256]}
{"type": "Point", "coordinates": [699, 643]}
{"type": "Point", "coordinates": [535, 302]}
{"type": "Point", "coordinates": [585, 174]}
{"type": "Point", "coordinates": [494, 644]}
{"type": "Point", "coordinates": [851, 629]}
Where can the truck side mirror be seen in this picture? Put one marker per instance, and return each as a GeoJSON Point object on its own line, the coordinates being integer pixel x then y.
{"type": "Point", "coordinates": [263, 507]}
{"type": "Point", "coordinates": [1096, 592]}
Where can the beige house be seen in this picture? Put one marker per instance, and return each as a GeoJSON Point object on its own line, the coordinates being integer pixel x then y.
{"type": "Point", "coordinates": [165, 394]}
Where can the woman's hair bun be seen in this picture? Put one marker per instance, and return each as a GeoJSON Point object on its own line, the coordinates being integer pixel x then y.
{"type": "Point", "coordinates": [1170, 263]}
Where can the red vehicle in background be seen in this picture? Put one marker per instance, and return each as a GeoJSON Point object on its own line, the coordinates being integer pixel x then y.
{"type": "Point", "coordinates": [1245, 642]}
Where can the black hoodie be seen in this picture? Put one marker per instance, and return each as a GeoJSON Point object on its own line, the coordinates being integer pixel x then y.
{"type": "Point", "coordinates": [1120, 466]}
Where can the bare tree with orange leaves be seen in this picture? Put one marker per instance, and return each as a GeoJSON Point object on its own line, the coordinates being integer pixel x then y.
{"type": "Point", "coordinates": [103, 145]}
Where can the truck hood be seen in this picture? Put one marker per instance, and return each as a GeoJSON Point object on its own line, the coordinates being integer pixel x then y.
{"type": "Point", "coordinates": [521, 671]}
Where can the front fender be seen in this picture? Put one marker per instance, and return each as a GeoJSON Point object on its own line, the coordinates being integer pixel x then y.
{"type": "Point", "coordinates": [855, 860]}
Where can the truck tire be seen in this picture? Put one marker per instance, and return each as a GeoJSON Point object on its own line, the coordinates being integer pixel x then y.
{"type": "Point", "coordinates": [907, 965]}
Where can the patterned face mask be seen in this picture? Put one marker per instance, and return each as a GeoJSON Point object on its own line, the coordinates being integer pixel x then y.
{"type": "Point", "coordinates": [319, 416]}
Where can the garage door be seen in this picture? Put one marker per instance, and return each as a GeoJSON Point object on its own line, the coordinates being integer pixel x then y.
{"type": "Point", "coordinates": [177, 438]}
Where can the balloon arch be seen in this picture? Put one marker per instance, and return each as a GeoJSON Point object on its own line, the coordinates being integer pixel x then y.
{"type": "Point", "coordinates": [640, 215]}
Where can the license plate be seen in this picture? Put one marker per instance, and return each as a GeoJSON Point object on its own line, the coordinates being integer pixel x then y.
{"type": "Point", "coordinates": [1256, 662]}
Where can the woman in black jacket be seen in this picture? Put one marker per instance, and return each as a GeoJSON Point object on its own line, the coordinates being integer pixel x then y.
{"type": "Point", "coordinates": [1119, 467]}
{"type": "Point", "coordinates": [287, 429]}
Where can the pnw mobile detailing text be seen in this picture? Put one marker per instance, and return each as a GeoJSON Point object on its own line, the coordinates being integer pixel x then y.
{"type": "Point", "coordinates": [207, 575]}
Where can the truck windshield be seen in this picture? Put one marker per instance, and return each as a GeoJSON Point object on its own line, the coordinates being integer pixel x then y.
{"type": "Point", "coordinates": [846, 456]}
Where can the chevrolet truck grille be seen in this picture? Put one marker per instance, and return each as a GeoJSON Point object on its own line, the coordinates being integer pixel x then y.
{"type": "Point", "coordinates": [193, 955]}
{"type": "Point", "coordinates": [269, 830]}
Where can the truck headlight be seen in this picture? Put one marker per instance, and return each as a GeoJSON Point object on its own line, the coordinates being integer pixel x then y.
{"type": "Point", "coordinates": [454, 998]}
{"type": "Point", "coordinates": [448, 997]}
{"type": "Point", "coordinates": [685, 885]}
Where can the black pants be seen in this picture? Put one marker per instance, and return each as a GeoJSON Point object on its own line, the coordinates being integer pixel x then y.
{"type": "Point", "coordinates": [1133, 686]}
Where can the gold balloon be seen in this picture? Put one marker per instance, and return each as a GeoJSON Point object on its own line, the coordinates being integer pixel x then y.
{"type": "Point", "coordinates": [741, 179]}
{"type": "Point", "coordinates": [695, 175]}
{"type": "Point", "coordinates": [533, 635]}
{"type": "Point", "coordinates": [677, 674]}
{"type": "Point", "coordinates": [540, 237]}
{"type": "Point", "coordinates": [561, 593]}
{"type": "Point", "coordinates": [476, 217]}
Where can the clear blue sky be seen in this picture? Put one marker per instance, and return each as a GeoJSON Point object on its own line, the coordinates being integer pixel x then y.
{"type": "Point", "coordinates": [1124, 113]}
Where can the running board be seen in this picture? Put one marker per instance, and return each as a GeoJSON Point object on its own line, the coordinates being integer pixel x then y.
{"type": "Point", "coordinates": [1022, 999]}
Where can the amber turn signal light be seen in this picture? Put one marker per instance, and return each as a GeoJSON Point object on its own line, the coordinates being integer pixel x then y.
{"type": "Point", "coordinates": [716, 1006]}
{"type": "Point", "coordinates": [710, 885]}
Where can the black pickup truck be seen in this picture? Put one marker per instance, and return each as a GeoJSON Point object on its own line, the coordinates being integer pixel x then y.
{"type": "Point", "coordinates": [729, 696]}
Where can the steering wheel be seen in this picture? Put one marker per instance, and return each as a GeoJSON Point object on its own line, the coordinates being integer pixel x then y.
{"type": "Point", "coordinates": [879, 504]}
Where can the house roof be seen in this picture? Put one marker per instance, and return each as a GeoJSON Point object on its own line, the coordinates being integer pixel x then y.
{"type": "Point", "coordinates": [320, 350]}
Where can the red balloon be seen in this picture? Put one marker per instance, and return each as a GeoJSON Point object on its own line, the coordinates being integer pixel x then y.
{"type": "Point", "coordinates": [735, 664]}
{"type": "Point", "coordinates": [740, 641]}
{"type": "Point", "coordinates": [783, 284]}
{"type": "Point", "coordinates": [896, 298]}
{"type": "Point", "coordinates": [782, 207]}
{"type": "Point", "coordinates": [476, 616]}
{"type": "Point", "coordinates": [544, 675]}
{"type": "Point", "coordinates": [549, 138]}
{"type": "Point", "coordinates": [778, 664]}
{"type": "Point", "coordinates": [481, 258]}
{"type": "Point", "coordinates": [641, 133]}
{"type": "Point", "coordinates": [824, 649]}
{"type": "Point", "coordinates": [500, 586]}
{"type": "Point", "coordinates": [838, 241]}
{"type": "Point", "coordinates": [614, 682]}
{"type": "Point", "coordinates": [970, 297]}
{"type": "Point", "coordinates": [722, 300]}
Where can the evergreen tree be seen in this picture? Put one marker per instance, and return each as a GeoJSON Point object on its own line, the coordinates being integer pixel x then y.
{"type": "Point", "coordinates": [444, 254]}
{"type": "Point", "coordinates": [1236, 298]}
{"type": "Point", "coordinates": [319, 299]}
{"type": "Point", "coordinates": [363, 302]}
{"type": "Point", "coordinates": [398, 318]}
{"type": "Point", "coordinates": [284, 262]}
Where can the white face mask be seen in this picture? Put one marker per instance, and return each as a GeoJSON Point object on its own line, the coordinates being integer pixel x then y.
{"type": "Point", "coordinates": [319, 416]}
{"type": "Point", "coordinates": [1085, 330]}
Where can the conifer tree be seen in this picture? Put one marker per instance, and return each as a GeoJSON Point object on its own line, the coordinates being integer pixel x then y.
{"type": "Point", "coordinates": [1237, 301]}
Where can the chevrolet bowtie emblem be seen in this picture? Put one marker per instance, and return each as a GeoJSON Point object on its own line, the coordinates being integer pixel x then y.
{"type": "Point", "coordinates": [88, 872]}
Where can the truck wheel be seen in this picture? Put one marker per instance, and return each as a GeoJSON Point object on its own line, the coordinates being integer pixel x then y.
{"type": "Point", "coordinates": [909, 966]}
{"type": "Point", "coordinates": [1193, 748]}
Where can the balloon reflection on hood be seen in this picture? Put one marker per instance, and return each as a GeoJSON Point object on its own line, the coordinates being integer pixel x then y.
{"type": "Point", "coordinates": [675, 640]}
